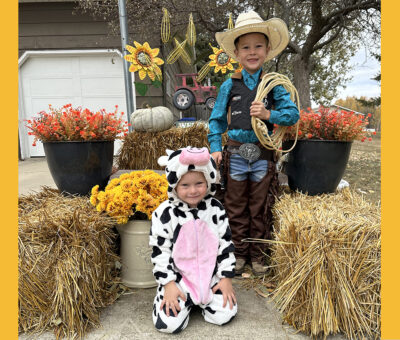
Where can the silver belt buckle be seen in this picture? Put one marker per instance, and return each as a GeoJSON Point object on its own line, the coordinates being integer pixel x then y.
{"type": "Point", "coordinates": [250, 151]}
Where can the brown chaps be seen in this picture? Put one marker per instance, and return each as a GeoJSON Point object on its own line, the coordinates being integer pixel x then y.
{"type": "Point", "coordinates": [248, 205]}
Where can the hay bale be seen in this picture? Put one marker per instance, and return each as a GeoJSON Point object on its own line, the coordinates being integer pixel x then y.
{"type": "Point", "coordinates": [141, 150]}
{"type": "Point", "coordinates": [326, 258]}
{"type": "Point", "coordinates": [66, 263]}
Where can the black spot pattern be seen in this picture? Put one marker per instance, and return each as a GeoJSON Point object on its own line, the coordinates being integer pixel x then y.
{"type": "Point", "coordinates": [215, 219]}
{"type": "Point", "coordinates": [215, 270]}
{"type": "Point", "coordinates": [194, 213]}
{"type": "Point", "coordinates": [178, 277]}
{"type": "Point", "coordinates": [160, 240]}
{"type": "Point", "coordinates": [223, 217]}
{"type": "Point", "coordinates": [228, 274]}
{"type": "Point", "coordinates": [216, 203]}
{"type": "Point", "coordinates": [179, 213]}
{"type": "Point", "coordinates": [210, 310]}
{"type": "Point", "coordinates": [191, 167]}
{"type": "Point", "coordinates": [189, 301]}
{"type": "Point", "coordinates": [202, 205]}
{"type": "Point", "coordinates": [165, 216]}
{"type": "Point", "coordinates": [159, 288]}
{"type": "Point", "coordinates": [156, 251]}
{"type": "Point", "coordinates": [170, 189]}
{"type": "Point", "coordinates": [179, 329]}
{"type": "Point", "coordinates": [213, 163]}
{"type": "Point", "coordinates": [213, 187]}
{"type": "Point", "coordinates": [160, 324]}
{"type": "Point", "coordinates": [218, 292]}
{"type": "Point", "coordinates": [172, 178]}
{"type": "Point", "coordinates": [176, 232]}
{"type": "Point", "coordinates": [155, 214]}
{"type": "Point", "coordinates": [222, 257]}
{"type": "Point", "coordinates": [175, 153]}
{"type": "Point", "coordinates": [228, 234]}
{"type": "Point", "coordinates": [229, 249]}
{"type": "Point", "coordinates": [169, 267]}
{"type": "Point", "coordinates": [160, 274]}
{"type": "Point", "coordinates": [212, 174]}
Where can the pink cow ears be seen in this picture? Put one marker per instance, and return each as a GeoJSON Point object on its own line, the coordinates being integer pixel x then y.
{"type": "Point", "coordinates": [194, 156]}
{"type": "Point", "coordinates": [188, 155]}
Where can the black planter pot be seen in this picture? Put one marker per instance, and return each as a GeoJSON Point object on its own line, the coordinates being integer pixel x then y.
{"type": "Point", "coordinates": [316, 166]}
{"type": "Point", "coordinates": [78, 166]}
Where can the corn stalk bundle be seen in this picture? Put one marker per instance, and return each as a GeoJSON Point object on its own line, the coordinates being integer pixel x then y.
{"type": "Point", "coordinates": [326, 258]}
{"type": "Point", "coordinates": [178, 51]}
{"type": "Point", "coordinates": [141, 150]}
{"type": "Point", "coordinates": [165, 27]}
{"type": "Point", "coordinates": [191, 31]}
{"type": "Point", "coordinates": [230, 22]}
{"type": "Point", "coordinates": [66, 264]}
{"type": "Point", "coordinates": [203, 72]}
{"type": "Point", "coordinates": [274, 141]}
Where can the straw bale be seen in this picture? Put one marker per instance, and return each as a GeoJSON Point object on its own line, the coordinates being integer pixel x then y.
{"type": "Point", "coordinates": [66, 264]}
{"type": "Point", "coordinates": [141, 150]}
{"type": "Point", "coordinates": [326, 259]}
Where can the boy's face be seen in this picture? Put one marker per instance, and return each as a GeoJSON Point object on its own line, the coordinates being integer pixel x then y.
{"type": "Point", "coordinates": [251, 50]}
{"type": "Point", "coordinates": [192, 188]}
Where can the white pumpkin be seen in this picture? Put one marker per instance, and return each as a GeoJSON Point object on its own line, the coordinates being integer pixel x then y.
{"type": "Point", "coordinates": [152, 119]}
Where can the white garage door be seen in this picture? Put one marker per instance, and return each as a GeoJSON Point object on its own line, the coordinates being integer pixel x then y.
{"type": "Point", "coordinates": [91, 79]}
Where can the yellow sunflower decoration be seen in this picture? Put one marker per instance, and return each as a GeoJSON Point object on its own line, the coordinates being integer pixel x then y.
{"type": "Point", "coordinates": [219, 60]}
{"type": "Point", "coordinates": [144, 59]}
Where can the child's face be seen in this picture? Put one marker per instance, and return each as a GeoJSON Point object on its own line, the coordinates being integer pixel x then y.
{"type": "Point", "coordinates": [251, 50]}
{"type": "Point", "coordinates": [192, 188]}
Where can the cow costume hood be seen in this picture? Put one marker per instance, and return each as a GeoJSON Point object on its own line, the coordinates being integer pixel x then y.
{"type": "Point", "coordinates": [187, 159]}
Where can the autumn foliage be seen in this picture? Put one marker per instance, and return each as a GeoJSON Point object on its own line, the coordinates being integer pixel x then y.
{"type": "Point", "coordinates": [77, 124]}
{"type": "Point", "coordinates": [328, 124]}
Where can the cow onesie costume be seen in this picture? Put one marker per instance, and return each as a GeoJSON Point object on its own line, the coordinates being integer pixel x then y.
{"type": "Point", "coordinates": [191, 246]}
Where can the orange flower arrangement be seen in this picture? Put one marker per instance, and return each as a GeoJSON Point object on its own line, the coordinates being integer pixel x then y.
{"type": "Point", "coordinates": [327, 124]}
{"type": "Point", "coordinates": [77, 124]}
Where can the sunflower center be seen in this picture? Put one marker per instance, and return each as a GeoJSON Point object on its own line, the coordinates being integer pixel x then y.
{"type": "Point", "coordinates": [222, 58]}
{"type": "Point", "coordinates": [143, 58]}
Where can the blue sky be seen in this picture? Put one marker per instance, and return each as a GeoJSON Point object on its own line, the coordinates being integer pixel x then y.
{"type": "Point", "coordinates": [366, 67]}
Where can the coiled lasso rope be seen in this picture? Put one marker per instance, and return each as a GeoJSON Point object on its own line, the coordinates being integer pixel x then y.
{"type": "Point", "coordinates": [274, 141]}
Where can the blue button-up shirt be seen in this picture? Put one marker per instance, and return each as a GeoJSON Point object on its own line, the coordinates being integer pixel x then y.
{"type": "Point", "coordinates": [285, 112]}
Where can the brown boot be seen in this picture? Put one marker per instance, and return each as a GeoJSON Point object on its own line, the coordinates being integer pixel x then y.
{"type": "Point", "coordinates": [258, 268]}
{"type": "Point", "coordinates": [236, 201]}
{"type": "Point", "coordinates": [239, 268]}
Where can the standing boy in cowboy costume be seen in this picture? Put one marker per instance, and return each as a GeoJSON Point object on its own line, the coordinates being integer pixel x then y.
{"type": "Point", "coordinates": [251, 170]}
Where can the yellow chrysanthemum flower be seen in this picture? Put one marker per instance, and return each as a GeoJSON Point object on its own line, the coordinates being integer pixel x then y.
{"type": "Point", "coordinates": [95, 190]}
{"type": "Point", "coordinates": [221, 60]}
{"type": "Point", "coordinates": [144, 59]}
{"type": "Point", "coordinates": [93, 200]}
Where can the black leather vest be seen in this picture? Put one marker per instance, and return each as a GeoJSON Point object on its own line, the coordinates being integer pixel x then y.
{"type": "Point", "coordinates": [239, 103]}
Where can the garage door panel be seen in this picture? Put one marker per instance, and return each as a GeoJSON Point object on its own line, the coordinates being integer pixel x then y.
{"type": "Point", "coordinates": [48, 66]}
{"type": "Point", "coordinates": [90, 81]}
{"type": "Point", "coordinates": [111, 65]}
{"type": "Point", "coordinates": [52, 87]}
{"type": "Point", "coordinates": [109, 86]}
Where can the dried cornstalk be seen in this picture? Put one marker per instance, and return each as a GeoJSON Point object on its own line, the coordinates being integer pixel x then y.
{"type": "Point", "coordinates": [165, 27]}
{"type": "Point", "coordinates": [230, 22]}
{"type": "Point", "coordinates": [66, 264]}
{"type": "Point", "coordinates": [203, 72]}
{"type": "Point", "coordinates": [326, 260]}
{"type": "Point", "coordinates": [191, 31]}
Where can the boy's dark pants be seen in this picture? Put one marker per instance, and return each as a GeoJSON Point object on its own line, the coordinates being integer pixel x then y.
{"type": "Point", "coordinates": [248, 205]}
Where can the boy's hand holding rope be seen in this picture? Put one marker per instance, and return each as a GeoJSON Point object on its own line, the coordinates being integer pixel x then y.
{"type": "Point", "coordinates": [274, 141]}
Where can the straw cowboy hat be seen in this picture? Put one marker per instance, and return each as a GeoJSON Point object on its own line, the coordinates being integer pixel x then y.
{"type": "Point", "coordinates": [275, 29]}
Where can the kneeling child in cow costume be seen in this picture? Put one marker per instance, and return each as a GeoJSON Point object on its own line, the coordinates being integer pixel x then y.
{"type": "Point", "coordinates": [193, 254]}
